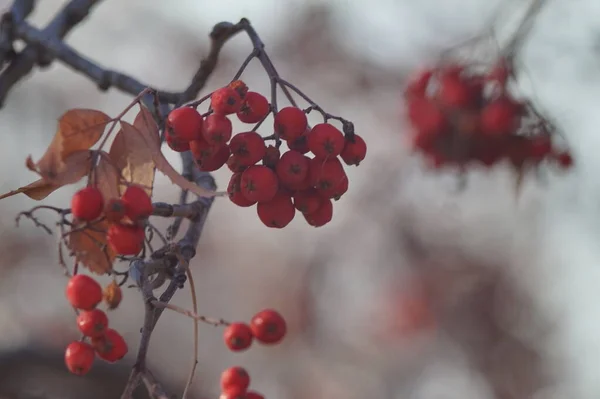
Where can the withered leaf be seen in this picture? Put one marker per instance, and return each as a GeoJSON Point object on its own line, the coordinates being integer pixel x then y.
{"type": "Point", "coordinates": [152, 147]}
{"type": "Point", "coordinates": [78, 129]}
{"type": "Point", "coordinates": [90, 249]}
{"type": "Point", "coordinates": [75, 167]}
{"type": "Point", "coordinates": [106, 177]}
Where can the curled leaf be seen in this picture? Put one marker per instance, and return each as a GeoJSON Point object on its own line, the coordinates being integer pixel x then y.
{"type": "Point", "coordinates": [90, 248]}
{"type": "Point", "coordinates": [78, 129]}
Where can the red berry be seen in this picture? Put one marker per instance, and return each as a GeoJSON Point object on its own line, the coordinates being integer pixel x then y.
{"type": "Point", "coordinates": [417, 85]}
{"type": "Point", "coordinates": [225, 101]}
{"type": "Point", "coordinates": [176, 144]}
{"type": "Point", "coordinates": [290, 123]}
{"type": "Point", "coordinates": [201, 150]}
{"type": "Point", "coordinates": [248, 147]}
{"type": "Point", "coordinates": [240, 87]}
{"type": "Point", "coordinates": [138, 204]}
{"type": "Point", "coordinates": [272, 156]}
{"type": "Point", "coordinates": [238, 336]}
{"type": "Point", "coordinates": [83, 292]}
{"type": "Point", "coordinates": [565, 160]}
{"type": "Point", "coordinates": [454, 92]}
{"type": "Point", "coordinates": [235, 165]}
{"type": "Point", "coordinates": [235, 378]}
{"type": "Point", "coordinates": [339, 190]}
{"type": "Point", "coordinates": [299, 144]}
{"type": "Point", "coordinates": [112, 295]}
{"type": "Point", "coordinates": [307, 201]}
{"type": "Point", "coordinates": [325, 140]}
{"type": "Point", "coordinates": [292, 168]}
{"type": "Point", "coordinates": [278, 212]}
{"type": "Point", "coordinates": [426, 117]}
{"type": "Point", "coordinates": [79, 357]}
{"type": "Point", "coordinates": [87, 204]}
{"type": "Point", "coordinates": [234, 189]}
{"type": "Point", "coordinates": [185, 124]}
{"type": "Point", "coordinates": [500, 117]}
{"type": "Point", "coordinates": [259, 183]}
{"type": "Point", "coordinates": [254, 395]}
{"type": "Point", "coordinates": [234, 393]}
{"type": "Point", "coordinates": [114, 210]}
{"type": "Point", "coordinates": [111, 346]}
{"type": "Point", "coordinates": [355, 150]}
{"type": "Point", "coordinates": [254, 109]}
{"type": "Point", "coordinates": [125, 240]}
{"type": "Point", "coordinates": [216, 160]}
{"type": "Point", "coordinates": [268, 326]}
{"type": "Point", "coordinates": [92, 323]}
{"type": "Point", "coordinates": [217, 129]}
{"type": "Point", "coordinates": [326, 175]}
{"type": "Point", "coordinates": [540, 147]}
{"type": "Point", "coordinates": [321, 216]}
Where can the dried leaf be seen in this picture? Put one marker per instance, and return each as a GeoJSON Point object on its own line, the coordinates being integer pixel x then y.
{"type": "Point", "coordinates": [75, 167]}
{"type": "Point", "coordinates": [107, 177]}
{"type": "Point", "coordinates": [152, 147]}
{"type": "Point", "coordinates": [78, 129]}
{"type": "Point", "coordinates": [144, 120]}
{"type": "Point", "coordinates": [90, 249]}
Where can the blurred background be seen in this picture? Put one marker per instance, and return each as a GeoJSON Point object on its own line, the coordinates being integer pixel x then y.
{"type": "Point", "coordinates": [416, 290]}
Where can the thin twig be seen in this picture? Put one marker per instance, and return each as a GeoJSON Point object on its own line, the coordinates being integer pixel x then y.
{"type": "Point", "coordinates": [188, 384]}
{"type": "Point", "coordinates": [208, 320]}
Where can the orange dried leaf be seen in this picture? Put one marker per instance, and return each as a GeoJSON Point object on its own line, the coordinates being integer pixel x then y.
{"type": "Point", "coordinates": [75, 167]}
{"type": "Point", "coordinates": [90, 248]}
{"type": "Point", "coordinates": [78, 129]}
{"type": "Point", "coordinates": [152, 146]}
{"type": "Point", "coordinates": [106, 177]}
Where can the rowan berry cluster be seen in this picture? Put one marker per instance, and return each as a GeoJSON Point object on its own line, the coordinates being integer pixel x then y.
{"type": "Point", "coordinates": [85, 294]}
{"type": "Point", "coordinates": [267, 327]}
{"type": "Point", "coordinates": [461, 115]}
{"type": "Point", "coordinates": [126, 216]}
{"type": "Point", "coordinates": [306, 177]}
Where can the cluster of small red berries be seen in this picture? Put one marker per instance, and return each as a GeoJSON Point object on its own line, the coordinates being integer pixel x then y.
{"type": "Point", "coordinates": [126, 215]}
{"type": "Point", "coordinates": [84, 294]}
{"type": "Point", "coordinates": [462, 116]}
{"type": "Point", "coordinates": [267, 327]}
{"type": "Point", "coordinates": [278, 183]}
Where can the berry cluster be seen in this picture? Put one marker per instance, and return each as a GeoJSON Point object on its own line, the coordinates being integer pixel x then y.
{"type": "Point", "coordinates": [306, 177]}
{"type": "Point", "coordinates": [267, 327]}
{"type": "Point", "coordinates": [461, 115]}
{"type": "Point", "coordinates": [126, 215]}
{"type": "Point", "coordinates": [84, 294]}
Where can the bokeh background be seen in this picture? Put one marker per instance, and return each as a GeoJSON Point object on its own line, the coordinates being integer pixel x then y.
{"type": "Point", "coordinates": [415, 290]}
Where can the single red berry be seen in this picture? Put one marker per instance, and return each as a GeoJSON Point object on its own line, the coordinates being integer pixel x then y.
{"type": "Point", "coordinates": [454, 91]}
{"type": "Point", "coordinates": [501, 117]}
{"type": "Point", "coordinates": [355, 150]}
{"type": "Point", "coordinates": [326, 141]}
{"type": "Point", "coordinates": [278, 212]}
{"type": "Point", "coordinates": [83, 292]}
{"type": "Point", "coordinates": [92, 323]}
{"type": "Point", "coordinates": [326, 175]}
{"type": "Point", "coordinates": [114, 210]}
{"type": "Point", "coordinates": [300, 144]}
{"type": "Point", "coordinates": [339, 190]}
{"type": "Point", "coordinates": [254, 395]}
{"type": "Point", "coordinates": [426, 117]}
{"type": "Point", "coordinates": [259, 183]}
{"type": "Point", "coordinates": [225, 101]}
{"type": "Point", "coordinates": [272, 156]}
{"type": "Point", "coordinates": [268, 326]}
{"type": "Point", "coordinates": [238, 336]}
{"type": "Point", "coordinates": [217, 129]}
{"type": "Point", "coordinates": [234, 190]}
{"type": "Point", "coordinates": [240, 87]}
{"type": "Point", "coordinates": [307, 201]}
{"type": "Point", "coordinates": [540, 147]}
{"type": "Point", "coordinates": [417, 84]}
{"type": "Point", "coordinates": [125, 240]}
{"type": "Point", "coordinates": [248, 147]}
{"type": "Point", "coordinates": [235, 165]}
{"type": "Point", "coordinates": [216, 160]}
{"type": "Point", "coordinates": [292, 168]}
{"type": "Point", "coordinates": [290, 123]}
{"type": "Point", "coordinates": [235, 378]}
{"type": "Point", "coordinates": [233, 393]}
{"type": "Point", "coordinates": [138, 204]}
{"type": "Point", "coordinates": [87, 204]}
{"type": "Point", "coordinates": [111, 346]}
{"type": "Point", "coordinates": [321, 216]}
{"type": "Point", "coordinates": [185, 124]}
{"type": "Point", "coordinates": [176, 144]}
{"type": "Point", "coordinates": [201, 150]}
{"type": "Point", "coordinates": [565, 160]}
{"type": "Point", "coordinates": [79, 357]}
{"type": "Point", "coordinates": [254, 109]}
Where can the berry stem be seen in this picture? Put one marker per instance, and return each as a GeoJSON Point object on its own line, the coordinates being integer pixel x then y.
{"type": "Point", "coordinates": [189, 313]}
{"type": "Point", "coordinates": [240, 71]}
{"type": "Point", "coordinates": [518, 38]}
